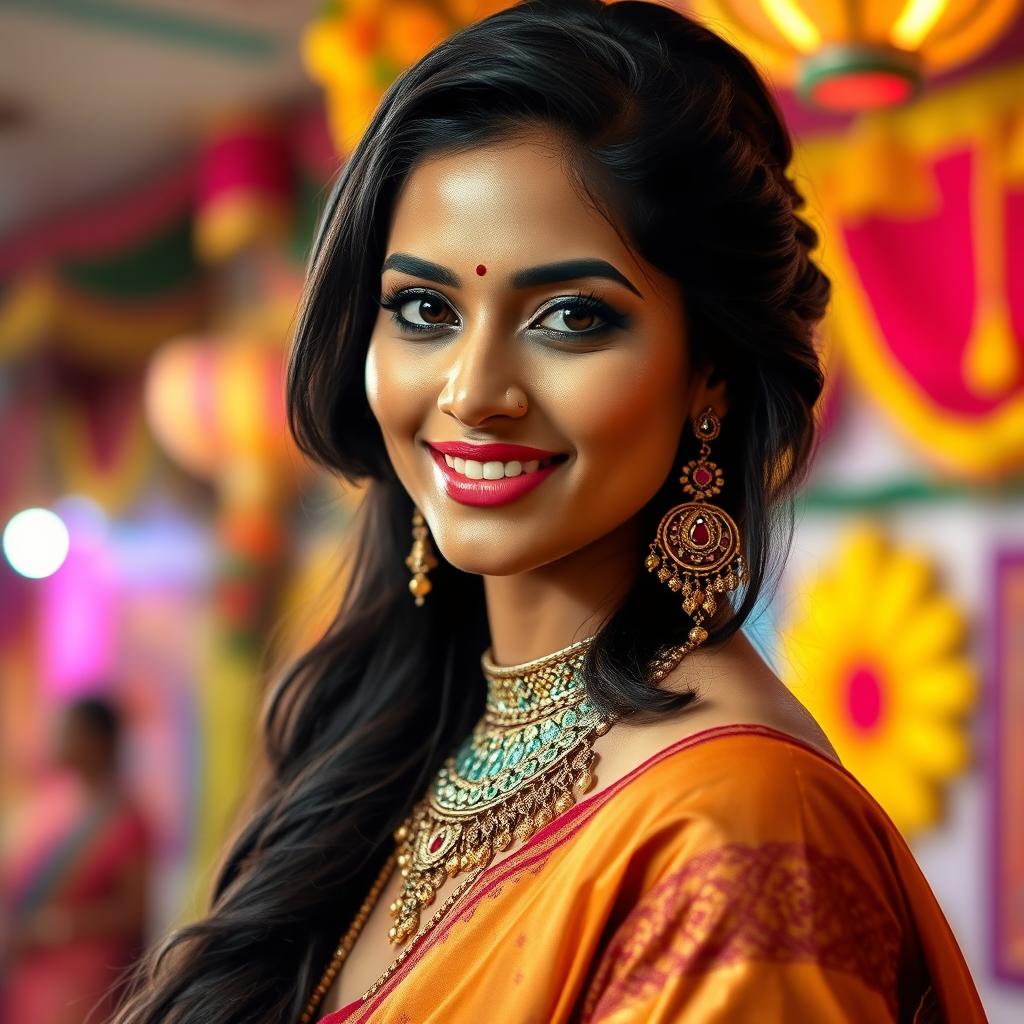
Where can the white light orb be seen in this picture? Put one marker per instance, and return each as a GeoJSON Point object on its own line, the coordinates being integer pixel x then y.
{"type": "Point", "coordinates": [36, 542]}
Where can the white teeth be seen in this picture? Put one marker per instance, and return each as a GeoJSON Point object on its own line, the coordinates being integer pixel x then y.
{"type": "Point", "coordinates": [493, 470]}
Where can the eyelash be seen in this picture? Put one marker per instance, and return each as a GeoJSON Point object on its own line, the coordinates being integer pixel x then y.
{"type": "Point", "coordinates": [581, 302]}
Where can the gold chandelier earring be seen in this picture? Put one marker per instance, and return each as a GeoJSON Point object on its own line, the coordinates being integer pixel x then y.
{"type": "Point", "coordinates": [696, 551]}
{"type": "Point", "coordinates": [420, 559]}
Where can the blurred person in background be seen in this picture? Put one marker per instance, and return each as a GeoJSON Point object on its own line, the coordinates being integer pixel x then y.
{"type": "Point", "coordinates": [74, 892]}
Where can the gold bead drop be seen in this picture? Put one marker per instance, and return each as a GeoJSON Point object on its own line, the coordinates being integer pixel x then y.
{"type": "Point", "coordinates": [563, 803]}
{"type": "Point", "coordinates": [420, 585]}
{"type": "Point", "coordinates": [523, 831]}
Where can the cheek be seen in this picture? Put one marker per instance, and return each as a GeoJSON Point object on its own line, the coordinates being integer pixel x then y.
{"type": "Point", "coordinates": [395, 393]}
{"type": "Point", "coordinates": [631, 413]}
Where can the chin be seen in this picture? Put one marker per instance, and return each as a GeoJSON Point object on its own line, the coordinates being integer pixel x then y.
{"type": "Point", "coordinates": [472, 562]}
{"type": "Point", "coordinates": [491, 558]}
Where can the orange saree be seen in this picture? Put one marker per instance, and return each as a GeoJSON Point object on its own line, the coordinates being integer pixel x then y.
{"type": "Point", "coordinates": [736, 875]}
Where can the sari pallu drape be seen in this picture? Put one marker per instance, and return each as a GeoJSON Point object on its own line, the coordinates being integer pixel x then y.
{"type": "Point", "coordinates": [70, 867]}
{"type": "Point", "coordinates": [738, 874]}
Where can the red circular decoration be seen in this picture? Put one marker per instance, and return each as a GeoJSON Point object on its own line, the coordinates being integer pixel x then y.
{"type": "Point", "coordinates": [481, 269]}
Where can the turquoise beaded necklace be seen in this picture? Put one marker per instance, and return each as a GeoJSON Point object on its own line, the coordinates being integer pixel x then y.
{"type": "Point", "coordinates": [525, 762]}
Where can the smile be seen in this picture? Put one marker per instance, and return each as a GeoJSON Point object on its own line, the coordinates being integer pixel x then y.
{"type": "Point", "coordinates": [492, 481]}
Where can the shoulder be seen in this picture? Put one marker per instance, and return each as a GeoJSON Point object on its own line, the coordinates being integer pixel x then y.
{"type": "Point", "coordinates": [734, 684]}
{"type": "Point", "coordinates": [745, 764]}
{"type": "Point", "coordinates": [744, 784]}
{"type": "Point", "coordinates": [753, 768]}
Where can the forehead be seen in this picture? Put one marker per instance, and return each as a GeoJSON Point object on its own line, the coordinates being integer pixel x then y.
{"type": "Point", "coordinates": [512, 201]}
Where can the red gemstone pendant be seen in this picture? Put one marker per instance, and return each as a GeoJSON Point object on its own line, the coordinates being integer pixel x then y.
{"type": "Point", "coordinates": [700, 534]}
{"type": "Point", "coordinates": [436, 843]}
{"type": "Point", "coordinates": [702, 476]}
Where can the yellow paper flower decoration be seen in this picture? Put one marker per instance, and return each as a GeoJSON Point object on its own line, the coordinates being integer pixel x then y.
{"type": "Point", "coordinates": [356, 48]}
{"type": "Point", "coordinates": [874, 650]}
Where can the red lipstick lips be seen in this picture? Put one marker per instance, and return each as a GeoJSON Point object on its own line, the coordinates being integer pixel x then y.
{"type": "Point", "coordinates": [489, 492]}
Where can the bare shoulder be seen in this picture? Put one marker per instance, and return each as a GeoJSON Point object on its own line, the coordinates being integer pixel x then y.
{"type": "Point", "coordinates": [734, 685]}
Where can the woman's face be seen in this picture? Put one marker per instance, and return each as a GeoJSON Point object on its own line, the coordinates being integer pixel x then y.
{"type": "Point", "coordinates": [495, 347]}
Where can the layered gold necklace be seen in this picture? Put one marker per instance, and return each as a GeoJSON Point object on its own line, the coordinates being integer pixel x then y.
{"type": "Point", "coordinates": [525, 762]}
{"type": "Point", "coordinates": [519, 768]}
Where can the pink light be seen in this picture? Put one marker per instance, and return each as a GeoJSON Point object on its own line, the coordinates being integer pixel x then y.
{"type": "Point", "coordinates": [76, 625]}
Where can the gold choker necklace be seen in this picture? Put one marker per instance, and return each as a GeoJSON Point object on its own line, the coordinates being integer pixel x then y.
{"type": "Point", "coordinates": [526, 761]}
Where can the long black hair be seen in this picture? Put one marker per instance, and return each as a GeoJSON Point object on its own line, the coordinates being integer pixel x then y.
{"type": "Point", "coordinates": [674, 133]}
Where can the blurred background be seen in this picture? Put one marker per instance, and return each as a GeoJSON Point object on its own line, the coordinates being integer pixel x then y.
{"type": "Point", "coordinates": [162, 167]}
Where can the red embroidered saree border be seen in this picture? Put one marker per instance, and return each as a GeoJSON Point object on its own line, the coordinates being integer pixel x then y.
{"type": "Point", "coordinates": [543, 842]}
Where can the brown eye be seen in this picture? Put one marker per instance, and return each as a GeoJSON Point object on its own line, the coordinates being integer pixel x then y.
{"type": "Point", "coordinates": [571, 320]}
{"type": "Point", "coordinates": [578, 321]}
{"type": "Point", "coordinates": [425, 311]}
{"type": "Point", "coordinates": [581, 315]}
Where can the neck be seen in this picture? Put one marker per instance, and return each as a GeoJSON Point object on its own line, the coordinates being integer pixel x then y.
{"type": "Point", "coordinates": [542, 610]}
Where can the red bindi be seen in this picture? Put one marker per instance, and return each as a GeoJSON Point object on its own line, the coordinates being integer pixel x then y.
{"type": "Point", "coordinates": [481, 270]}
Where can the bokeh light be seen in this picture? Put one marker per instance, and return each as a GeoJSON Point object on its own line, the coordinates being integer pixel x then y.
{"type": "Point", "coordinates": [36, 542]}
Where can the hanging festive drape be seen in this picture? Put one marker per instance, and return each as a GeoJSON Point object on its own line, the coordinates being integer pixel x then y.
{"type": "Point", "coordinates": [922, 211]}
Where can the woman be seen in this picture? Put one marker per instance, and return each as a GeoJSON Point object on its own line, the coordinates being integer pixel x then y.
{"type": "Point", "coordinates": [74, 894]}
{"type": "Point", "coordinates": [560, 313]}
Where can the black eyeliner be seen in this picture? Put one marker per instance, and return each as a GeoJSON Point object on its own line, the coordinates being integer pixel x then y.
{"type": "Point", "coordinates": [586, 302]}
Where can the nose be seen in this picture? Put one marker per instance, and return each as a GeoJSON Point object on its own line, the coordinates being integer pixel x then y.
{"type": "Point", "coordinates": [480, 381]}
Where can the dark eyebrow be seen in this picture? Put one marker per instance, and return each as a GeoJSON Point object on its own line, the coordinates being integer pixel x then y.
{"type": "Point", "coordinates": [548, 273]}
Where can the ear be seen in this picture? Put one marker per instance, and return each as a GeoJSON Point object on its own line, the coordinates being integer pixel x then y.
{"type": "Point", "coordinates": [709, 388]}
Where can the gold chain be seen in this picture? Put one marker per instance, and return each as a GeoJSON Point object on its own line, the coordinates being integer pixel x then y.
{"type": "Point", "coordinates": [346, 944]}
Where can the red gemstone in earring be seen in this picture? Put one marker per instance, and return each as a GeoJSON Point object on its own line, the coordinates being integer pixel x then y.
{"type": "Point", "coordinates": [481, 270]}
{"type": "Point", "coordinates": [700, 534]}
{"type": "Point", "coordinates": [436, 844]}
{"type": "Point", "coordinates": [702, 475]}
